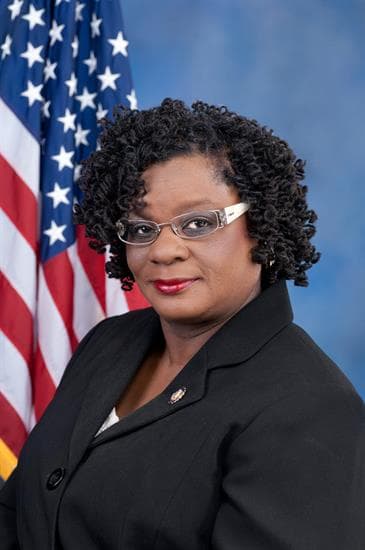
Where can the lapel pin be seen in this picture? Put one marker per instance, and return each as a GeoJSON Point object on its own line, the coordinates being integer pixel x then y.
{"type": "Point", "coordinates": [178, 394]}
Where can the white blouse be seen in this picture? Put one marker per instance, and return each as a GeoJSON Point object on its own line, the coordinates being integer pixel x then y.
{"type": "Point", "coordinates": [111, 419]}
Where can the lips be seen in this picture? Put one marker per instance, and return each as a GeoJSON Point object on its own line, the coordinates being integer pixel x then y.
{"type": "Point", "coordinates": [172, 286]}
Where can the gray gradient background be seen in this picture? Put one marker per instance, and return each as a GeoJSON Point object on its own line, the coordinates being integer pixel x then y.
{"type": "Point", "coordinates": [297, 66]}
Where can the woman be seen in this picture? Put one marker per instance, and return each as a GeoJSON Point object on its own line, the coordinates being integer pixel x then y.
{"type": "Point", "coordinates": [210, 420]}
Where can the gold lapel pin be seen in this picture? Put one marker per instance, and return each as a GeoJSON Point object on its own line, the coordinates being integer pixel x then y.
{"type": "Point", "coordinates": [178, 394]}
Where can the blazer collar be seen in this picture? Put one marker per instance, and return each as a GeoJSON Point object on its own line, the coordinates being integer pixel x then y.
{"type": "Point", "coordinates": [238, 339]}
{"type": "Point", "coordinates": [254, 325]}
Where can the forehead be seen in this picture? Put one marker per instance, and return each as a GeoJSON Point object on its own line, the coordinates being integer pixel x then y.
{"type": "Point", "coordinates": [184, 183]}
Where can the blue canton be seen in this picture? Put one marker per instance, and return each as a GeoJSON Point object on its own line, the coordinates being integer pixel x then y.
{"type": "Point", "coordinates": [63, 66]}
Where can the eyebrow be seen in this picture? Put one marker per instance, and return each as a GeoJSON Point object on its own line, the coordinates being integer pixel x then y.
{"type": "Point", "coordinates": [187, 206]}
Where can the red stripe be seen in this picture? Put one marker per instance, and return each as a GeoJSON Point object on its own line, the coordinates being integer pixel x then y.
{"type": "Point", "coordinates": [59, 276]}
{"type": "Point", "coordinates": [18, 202]}
{"type": "Point", "coordinates": [93, 264]}
{"type": "Point", "coordinates": [135, 299]}
{"type": "Point", "coordinates": [12, 429]}
{"type": "Point", "coordinates": [16, 320]}
{"type": "Point", "coordinates": [42, 383]}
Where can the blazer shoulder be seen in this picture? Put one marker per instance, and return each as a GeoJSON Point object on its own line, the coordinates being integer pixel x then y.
{"type": "Point", "coordinates": [105, 332]}
{"type": "Point", "coordinates": [312, 363]}
{"type": "Point", "coordinates": [126, 322]}
{"type": "Point", "coordinates": [290, 366]}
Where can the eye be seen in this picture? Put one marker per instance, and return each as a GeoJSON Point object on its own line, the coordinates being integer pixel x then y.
{"type": "Point", "coordinates": [140, 229]}
{"type": "Point", "coordinates": [198, 225]}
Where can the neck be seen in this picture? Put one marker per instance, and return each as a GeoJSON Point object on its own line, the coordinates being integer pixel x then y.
{"type": "Point", "coordinates": [183, 341]}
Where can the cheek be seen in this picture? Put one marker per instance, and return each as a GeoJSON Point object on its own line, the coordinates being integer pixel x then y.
{"type": "Point", "coordinates": [229, 260]}
{"type": "Point", "coordinates": [136, 258]}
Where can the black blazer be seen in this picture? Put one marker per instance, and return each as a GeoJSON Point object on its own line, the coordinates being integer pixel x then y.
{"type": "Point", "coordinates": [264, 450]}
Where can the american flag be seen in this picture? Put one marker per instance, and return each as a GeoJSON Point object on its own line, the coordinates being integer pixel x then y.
{"type": "Point", "coordinates": [63, 66]}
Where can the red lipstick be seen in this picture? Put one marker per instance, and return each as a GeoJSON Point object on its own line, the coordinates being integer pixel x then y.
{"type": "Point", "coordinates": [172, 286]}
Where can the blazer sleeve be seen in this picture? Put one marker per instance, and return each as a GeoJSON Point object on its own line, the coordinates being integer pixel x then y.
{"type": "Point", "coordinates": [8, 536]}
{"type": "Point", "coordinates": [8, 493]}
{"type": "Point", "coordinates": [295, 477]}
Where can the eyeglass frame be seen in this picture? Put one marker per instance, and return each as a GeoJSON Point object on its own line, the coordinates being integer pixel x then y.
{"type": "Point", "coordinates": [224, 216]}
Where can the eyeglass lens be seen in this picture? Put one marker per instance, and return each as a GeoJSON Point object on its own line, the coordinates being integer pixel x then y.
{"type": "Point", "coordinates": [192, 225]}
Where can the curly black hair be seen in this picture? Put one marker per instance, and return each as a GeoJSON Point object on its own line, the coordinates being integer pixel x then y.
{"type": "Point", "coordinates": [261, 166]}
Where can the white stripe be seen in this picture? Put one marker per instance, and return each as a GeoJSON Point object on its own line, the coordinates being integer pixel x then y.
{"type": "Point", "coordinates": [15, 381]}
{"type": "Point", "coordinates": [33, 420]}
{"type": "Point", "coordinates": [20, 148]}
{"type": "Point", "coordinates": [116, 302]}
{"type": "Point", "coordinates": [115, 299]}
{"type": "Point", "coordinates": [52, 334]}
{"type": "Point", "coordinates": [18, 261]}
{"type": "Point", "coordinates": [87, 308]}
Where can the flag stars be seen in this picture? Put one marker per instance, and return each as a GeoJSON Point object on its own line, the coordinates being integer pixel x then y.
{"type": "Point", "coordinates": [49, 70]}
{"type": "Point", "coordinates": [132, 99]}
{"type": "Point", "coordinates": [119, 44]}
{"type": "Point", "coordinates": [33, 93]}
{"type": "Point", "coordinates": [94, 26]}
{"type": "Point", "coordinates": [80, 136]}
{"type": "Point", "coordinates": [34, 17]}
{"type": "Point", "coordinates": [55, 233]}
{"type": "Point", "coordinates": [108, 79]}
{"type": "Point", "coordinates": [86, 99]}
{"type": "Point", "coordinates": [71, 84]}
{"type": "Point", "coordinates": [15, 8]}
{"type": "Point", "coordinates": [32, 54]}
{"type": "Point", "coordinates": [77, 171]}
{"type": "Point", "coordinates": [45, 109]}
{"type": "Point", "coordinates": [55, 32]}
{"type": "Point", "coordinates": [58, 195]}
{"type": "Point", "coordinates": [78, 9]}
{"type": "Point", "coordinates": [63, 158]}
{"type": "Point", "coordinates": [101, 113]}
{"type": "Point", "coordinates": [75, 46]}
{"type": "Point", "coordinates": [91, 62]}
{"type": "Point", "coordinates": [68, 120]}
{"type": "Point", "coordinates": [6, 46]}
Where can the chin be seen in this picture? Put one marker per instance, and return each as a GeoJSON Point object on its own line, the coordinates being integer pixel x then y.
{"type": "Point", "coordinates": [183, 314]}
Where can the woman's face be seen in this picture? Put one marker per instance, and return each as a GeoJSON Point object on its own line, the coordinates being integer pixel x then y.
{"type": "Point", "coordinates": [222, 277]}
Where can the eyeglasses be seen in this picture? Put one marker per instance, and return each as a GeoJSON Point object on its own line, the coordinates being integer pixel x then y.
{"type": "Point", "coordinates": [192, 225]}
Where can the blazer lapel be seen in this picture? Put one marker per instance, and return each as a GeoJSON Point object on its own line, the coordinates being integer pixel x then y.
{"type": "Point", "coordinates": [237, 340]}
{"type": "Point", "coordinates": [112, 370]}
{"type": "Point", "coordinates": [252, 327]}
{"type": "Point", "coordinates": [186, 388]}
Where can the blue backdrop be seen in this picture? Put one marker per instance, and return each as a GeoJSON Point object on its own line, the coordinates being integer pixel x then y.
{"type": "Point", "coordinates": [297, 67]}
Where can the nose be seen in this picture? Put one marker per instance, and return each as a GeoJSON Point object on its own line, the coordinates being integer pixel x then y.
{"type": "Point", "coordinates": [168, 248]}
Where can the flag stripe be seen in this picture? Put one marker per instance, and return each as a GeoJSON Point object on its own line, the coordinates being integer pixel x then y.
{"type": "Point", "coordinates": [54, 345]}
{"type": "Point", "coordinates": [93, 264]}
{"type": "Point", "coordinates": [16, 320]}
{"type": "Point", "coordinates": [12, 429]}
{"type": "Point", "coordinates": [18, 202]}
{"type": "Point", "coordinates": [19, 147]}
{"type": "Point", "coordinates": [59, 275]}
{"type": "Point", "coordinates": [15, 383]}
{"type": "Point", "coordinates": [116, 300]}
{"type": "Point", "coordinates": [87, 308]}
{"type": "Point", "coordinates": [18, 261]}
{"type": "Point", "coordinates": [43, 385]}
